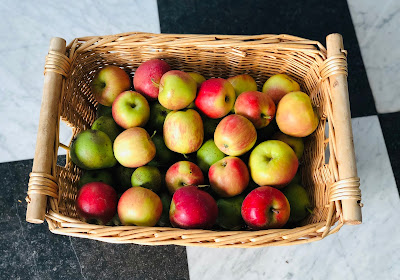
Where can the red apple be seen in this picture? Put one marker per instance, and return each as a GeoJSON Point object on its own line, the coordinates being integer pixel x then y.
{"type": "Point", "coordinates": [181, 174]}
{"type": "Point", "coordinates": [108, 83]}
{"type": "Point", "coordinates": [147, 77]}
{"type": "Point", "coordinates": [215, 98]}
{"type": "Point", "coordinates": [257, 107]}
{"type": "Point", "coordinates": [265, 207]}
{"type": "Point", "coordinates": [229, 176]}
{"type": "Point", "coordinates": [96, 202]}
{"type": "Point", "coordinates": [130, 109]}
{"type": "Point", "coordinates": [139, 206]}
{"type": "Point", "coordinates": [183, 131]}
{"type": "Point", "coordinates": [193, 208]}
{"type": "Point", "coordinates": [279, 85]}
{"type": "Point", "coordinates": [235, 135]}
{"type": "Point", "coordinates": [134, 147]}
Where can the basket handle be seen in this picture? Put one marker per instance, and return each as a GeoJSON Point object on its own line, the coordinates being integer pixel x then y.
{"type": "Point", "coordinates": [345, 155]}
{"type": "Point", "coordinates": [42, 183]}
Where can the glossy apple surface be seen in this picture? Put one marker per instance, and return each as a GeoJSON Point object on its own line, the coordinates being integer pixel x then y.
{"type": "Point", "coordinates": [279, 85]}
{"type": "Point", "coordinates": [182, 174]}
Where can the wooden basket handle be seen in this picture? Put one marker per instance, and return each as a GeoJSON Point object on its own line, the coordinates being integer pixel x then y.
{"type": "Point", "coordinates": [42, 183]}
{"type": "Point", "coordinates": [347, 188]}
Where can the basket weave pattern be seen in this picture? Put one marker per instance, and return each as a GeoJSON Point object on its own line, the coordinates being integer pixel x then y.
{"type": "Point", "coordinates": [213, 56]}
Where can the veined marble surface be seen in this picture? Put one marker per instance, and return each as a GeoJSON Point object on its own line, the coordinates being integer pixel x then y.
{"type": "Point", "coordinates": [365, 251]}
{"type": "Point", "coordinates": [25, 33]}
{"type": "Point", "coordinates": [377, 28]}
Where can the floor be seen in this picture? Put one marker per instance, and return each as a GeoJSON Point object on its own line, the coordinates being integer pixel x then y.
{"type": "Point", "coordinates": [371, 36]}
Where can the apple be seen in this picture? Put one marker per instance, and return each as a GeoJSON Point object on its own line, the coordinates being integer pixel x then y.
{"type": "Point", "coordinates": [139, 206]}
{"type": "Point", "coordinates": [279, 85]}
{"type": "Point", "coordinates": [256, 107]}
{"type": "Point", "coordinates": [273, 163]}
{"type": "Point", "coordinates": [130, 109]}
{"type": "Point", "coordinates": [265, 207]}
{"type": "Point", "coordinates": [177, 90]}
{"type": "Point", "coordinates": [164, 156]}
{"type": "Point", "coordinates": [181, 174]}
{"type": "Point", "coordinates": [229, 212]}
{"type": "Point", "coordinates": [166, 203]}
{"type": "Point", "coordinates": [208, 154]}
{"type": "Point", "coordinates": [235, 135]}
{"type": "Point", "coordinates": [96, 202]}
{"type": "Point", "coordinates": [103, 111]}
{"type": "Point", "coordinates": [193, 208]}
{"type": "Point", "coordinates": [295, 143]}
{"type": "Point", "coordinates": [296, 179]}
{"type": "Point", "coordinates": [122, 176]}
{"type": "Point", "coordinates": [147, 77]}
{"type": "Point", "coordinates": [134, 148]}
{"type": "Point", "coordinates": [148, 177]}
{"type": "Point", "coordinates": [300, 205]}
{"type": "Point", "coordinates": [99, 175]}
{"type": "Point", "coordinates": [108, 83]}
{"type": "Point", "coordinates": [243, 83]}
{"type": "Point", "coordinates": [158, 113]}
{"type": "Point", "coordinates": [183, 131]}
{"type": "Point", "coordinates": [229, 176]}
{"type": "Point", "coordinates": [209, 126]}
{"type": "Point", "coordinates": [197, 77]}
{"type": "Point", "coordinates": [295, 115]}
{"type": "Point", "coordinates": [92, 149]}
{"type": "Point", "coordinates": [215, 98]}
{"type": "Point", "coordinates": [108, 126]}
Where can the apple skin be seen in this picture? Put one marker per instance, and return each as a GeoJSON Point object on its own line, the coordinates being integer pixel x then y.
{"type": "Point", "coordinates": [108, 126]}
{"type": "Point", "coordinates": [229, 212]}
{"type": "Point", "coordinates": [243, 83]}
{"type": "Point", "coordinates": [181, 174]}
{"type": "Point", "coordinates": [139, 206]}
{"type": "Point", "coordinates": [208, 154]}
{"type": "Point", "coordinates": [229, 176]}
{"type": "Point", "coordinates": [148, 177]}
{"type": "Point", "coordinates": [99, 175]}
{"type": "Point", "coordinates": [257, 107]}
{"type": "Point", "coordinates": [147, 77]}
{"type": "Point", "coordinates": [197, 77]}
{"type": "Point", "coordinates": [158, 113]}
{"type": "Point", "coordinates": [164, 156]}
{"type": "Point", "coordinates": [216, 98]}
{"type": "Point", "coordinates": [134, 147]}
{"type": "Point", "coordinates": [166, 203]}
{"type": "Point", "coordinates": [193, 208]}
{"type": "Point", "coordinates": [130, 109]}
{"type": "Point", "coordinates": [183, 131]}
{"type": "Point", "coordinates": [273, 163]}
{"type": "Point", "coordinates": [300, 205]}
{"type": "Point", "coordinates": [96, 202]}
{"type": "Point", "coordinates": [122, 176]}
{"type": "Point", "coordinates": [295, 143]}
{"type": "Point", "coordinates": [295, 115]}
{"type": "Point", "coordinates": [235, 135]}
{"type": "Point", "coordinates": [279, 85]}
{"type": "Point", "coordinates": [209, 126]}
{"type": "Point", "coordinates": [103, 111]}
{"type": "Point", "coordinates": [177, 90]}
{"type": "Point", "coordinates": [265, 207]}
{"type": "Point", "coordinates": [108, 83]}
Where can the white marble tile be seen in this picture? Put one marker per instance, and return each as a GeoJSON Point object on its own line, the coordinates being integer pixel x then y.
{"type": "Point", "coordinates": [367, 251]}
{"type": "Point", "coordinates": [377, 27]}
{"type": "Point", "coordinates": [25, 31]}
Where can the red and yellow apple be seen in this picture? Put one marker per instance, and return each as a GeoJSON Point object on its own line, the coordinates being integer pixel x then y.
{"type": "Point", "coordinates": [273, 163]}
{"type": "Point", "coordinates": [215, 98]}
{"type": "Point", "coordinates": [139, 206]}
{"type": "Point", "coordinates": [279, 85]}
{"type": "Point", "coordinates": [255, 106]}
{"type": "Point", "coordinates": [108, 83]}
{"type": "Point", "coordinates": [193, 208]}
{"type": "Point", "coordinates": [134, 147]}
{"type": "Point", "coordinates": [182, 174]}
{"type": "Point", "coordinates": [229, 176]}
{"type": "Point", "coordinates": [295, 143]}
{"type": "Point", "coordinates": [243, 83]}
{"type": "Point", "coordinates": [235, 135]}
{"type": "Point", "coordinates": [295, 115]}
{"type": "Point", "coordinates": [183, 131]}
{"type": "Point", "coordinates": [265, 207]}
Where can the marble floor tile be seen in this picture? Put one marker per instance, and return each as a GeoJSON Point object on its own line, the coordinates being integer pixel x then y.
{"type": "Point", "coordinates": [377, 29]}
{"type": "Point", "coordinates": [25, 32]}
{"type": "Point", "coordinates": [367, 251]}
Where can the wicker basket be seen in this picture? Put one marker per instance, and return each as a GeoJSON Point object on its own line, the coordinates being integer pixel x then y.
{"type": "Point", "coordinates": [322, 73]}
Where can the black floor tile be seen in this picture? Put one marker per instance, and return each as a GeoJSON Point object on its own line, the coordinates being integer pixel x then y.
{"type": "Point", "coordinates": [309, 19]}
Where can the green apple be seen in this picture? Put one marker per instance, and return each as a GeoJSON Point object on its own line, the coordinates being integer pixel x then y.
{"type": "Point", "coordinates": [166, 203]}
{"type": "Point", "coordinates": [108, 126]}
{"type": "Point", "coordinates": [92, 149]}
{"type": "Point", "coordinates": [164, 156]}
{"type": "Point", "coordinates": [122, 177]}
{"type": "Point", "coordinates": [100, 175]}
{"type": "Point", "coordinates": [148, 177]}
{"type": "Point", "coordinates": [158, 113]}
{"type": "Point", "coordinates": [300, 205]}
{"type": "Point", "coordinates": [208, 154]}
{"type": "Point", "coordinates": [295, 143]}
{"type": "Point", "coordinates": [197, 77]}
{"type": "Point", "coordinates": [103, 111]}
{"type": "Point", "coordinates": [296, 179]}
{"type": "Point", "coordinates": [242, 83]}
{"type": "Point", "coordinates": [209, 126]}
{"type": "Point", "coordinates": [177, 90]}
{"type": "Point", "coordinates": [229, 212]}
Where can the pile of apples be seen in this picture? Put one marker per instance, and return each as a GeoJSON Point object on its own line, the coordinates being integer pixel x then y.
{"type": "Point", "coordinates": [226, 153]}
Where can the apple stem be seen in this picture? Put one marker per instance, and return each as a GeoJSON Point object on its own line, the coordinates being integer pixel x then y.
{"type": "Point", "coordinates": [185, 156]}
{"type": "Point", "coordinates": [155, 83]}
{"type": "Point", "coordinates": [203, 186]}
{"type": "Point", "coordinates": [309, 210]}
{"type": "Point", "coordinates": [154, 133]}
{"type": "Point", "coordinates": [275, 211]}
